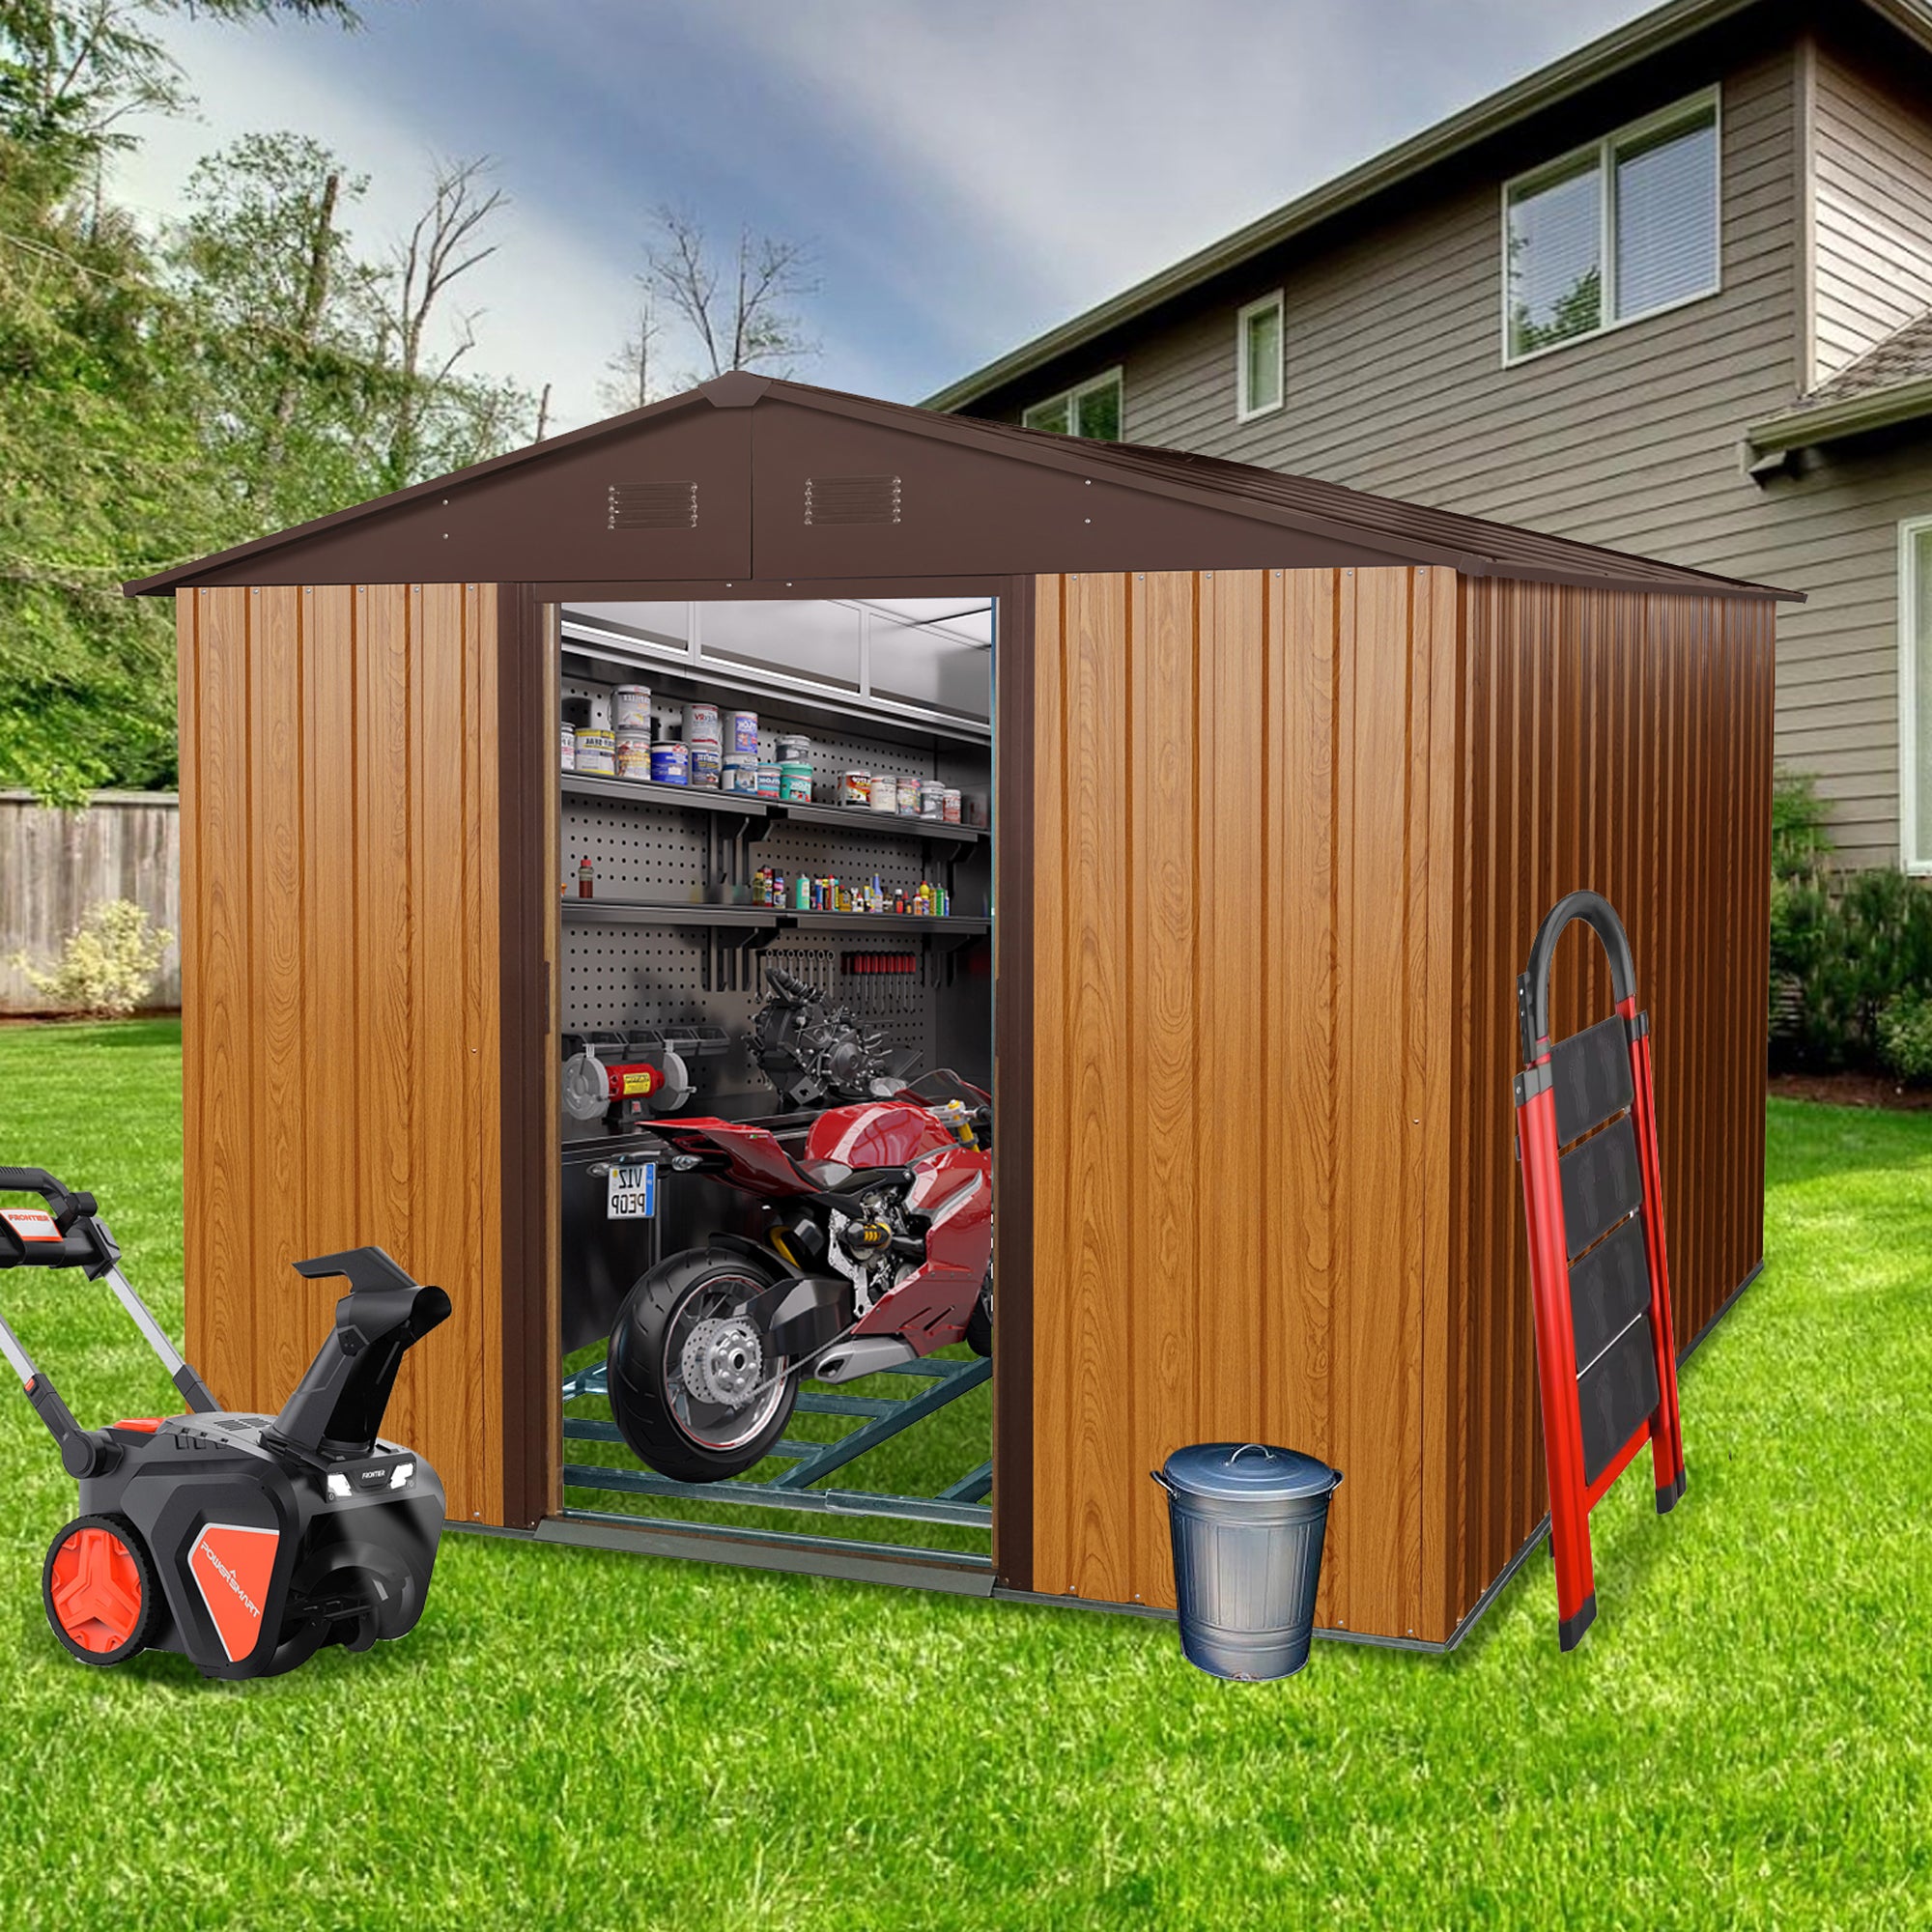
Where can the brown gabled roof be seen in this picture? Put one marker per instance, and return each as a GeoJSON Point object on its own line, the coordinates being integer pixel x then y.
{"type": "Point", "coordinates": [969, 497]}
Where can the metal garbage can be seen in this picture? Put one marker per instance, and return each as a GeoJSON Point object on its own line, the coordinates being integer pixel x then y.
{"type": "Point", "coordinates": [1248, 1522]}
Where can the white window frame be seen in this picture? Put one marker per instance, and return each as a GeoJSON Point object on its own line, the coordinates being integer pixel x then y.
{"type": "Point", "coordinates": [1909, 859]}
{"type": "Point", "coordinates": [1691, 108]}
{"type": "Point", "coordinates": [1245, 410]}
{"type": "Point", "coordinates": [1114, 378]}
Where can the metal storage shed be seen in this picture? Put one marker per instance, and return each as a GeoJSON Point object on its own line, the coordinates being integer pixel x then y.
{"type": "Point", "coordinates": [1285, 776]}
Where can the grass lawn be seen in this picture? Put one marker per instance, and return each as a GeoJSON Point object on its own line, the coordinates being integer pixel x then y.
{"type": "Point", "coordinates": [599, 1740]}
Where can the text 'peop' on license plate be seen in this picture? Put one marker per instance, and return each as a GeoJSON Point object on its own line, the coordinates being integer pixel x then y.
{"type": "Point", "coordinates": [633, 1194]}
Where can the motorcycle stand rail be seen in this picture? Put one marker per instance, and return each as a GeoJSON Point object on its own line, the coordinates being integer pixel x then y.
{"type": "Point", "coordinates": [959, 1504]}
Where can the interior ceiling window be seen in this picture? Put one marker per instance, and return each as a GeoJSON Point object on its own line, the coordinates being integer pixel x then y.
{"type": "Point", "coordinates": [1619, 230]}
{"type": "Point", "coordinates": [1091, 410]}
{"type": "Point", "coordinates": [1259, 357]}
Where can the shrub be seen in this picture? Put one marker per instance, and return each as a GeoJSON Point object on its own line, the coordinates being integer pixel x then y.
{"type": "Point", "coordinates": [108, 965]}
{"type": "Point", "coordinates": [1905, 1036]}
{"type": "Point", "coordinates": [1845, 948]}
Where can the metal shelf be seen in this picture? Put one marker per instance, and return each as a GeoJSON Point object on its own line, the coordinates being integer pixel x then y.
{"type": "Point", "coordinates": [697, 798]}
{"type": "Point", "coordinates": [669, 912]}
{"type": "Point", "coordinates": [886, 921]}
{"type": "Point", "coordinates": [861, 818]}
{"type": "Point", "coordinates": [681, 912]}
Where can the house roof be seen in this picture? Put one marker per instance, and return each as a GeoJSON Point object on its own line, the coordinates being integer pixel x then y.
{"type": "Point", "coordinates": [1656, 32]}
{"type": "Point", "coordinates": [1890, 383]}
{"type": "Point", "coordinates": [749, 480]}
{"type": "Point", "coordinates": [1904, 357]}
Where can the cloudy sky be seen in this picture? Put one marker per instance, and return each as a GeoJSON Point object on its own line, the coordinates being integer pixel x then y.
{"type": "Point", "coordinates": [966, 172]}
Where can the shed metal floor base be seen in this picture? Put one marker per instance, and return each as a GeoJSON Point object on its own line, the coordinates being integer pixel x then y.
{"type": "Point", "coordinates": [880, 1418]}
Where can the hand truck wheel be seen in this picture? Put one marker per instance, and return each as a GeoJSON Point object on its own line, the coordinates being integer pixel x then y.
{"type": "Point", "coordinates": [99, 1589]}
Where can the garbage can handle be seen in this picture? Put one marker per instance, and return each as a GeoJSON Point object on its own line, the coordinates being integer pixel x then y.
{"type": "Point", "coordinates": [1245, 1447]}
{"type": "Point", "coordinates": [1160, 1477]}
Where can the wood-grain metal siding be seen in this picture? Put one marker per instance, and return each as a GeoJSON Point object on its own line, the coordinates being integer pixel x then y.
{"type": "Point", "coordinates": [1622, 743]}
{"type": "Point", "coordinates": [1242, 899]}
{"type": "Point", "coordinates": [1293, 832]}
{"type": "Point", "coordinates": [1396, 382]}
{"type": "Point", "coordinates": [340, 916]}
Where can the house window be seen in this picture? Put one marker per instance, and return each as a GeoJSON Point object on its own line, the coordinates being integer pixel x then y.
{"type": "Point", "coordinates": [1622, 229]}
{"type": "Point", "coordinates": [1090, 410]}
{"type": "Point", "coordinates": [1257, 354]}
{"type": "Point", "coordinates": [1914, 695]}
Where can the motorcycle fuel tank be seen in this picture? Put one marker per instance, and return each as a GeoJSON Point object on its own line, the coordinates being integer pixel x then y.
{"type": "Point", "coordinates": [877, 1133]}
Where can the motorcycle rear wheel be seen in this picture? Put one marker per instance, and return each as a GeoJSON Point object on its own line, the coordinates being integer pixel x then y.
{"type": "Point", "coordinates": [669, 1426]}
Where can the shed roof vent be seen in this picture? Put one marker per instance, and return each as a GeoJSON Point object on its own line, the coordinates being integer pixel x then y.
{"type": "Point", "coordinates": [653, 507]}
{"type": "Point", "coordinates": [852, 500]}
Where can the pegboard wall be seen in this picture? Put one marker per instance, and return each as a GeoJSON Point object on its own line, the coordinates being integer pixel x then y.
{"type": "Point", "coordinates": [652, 975]}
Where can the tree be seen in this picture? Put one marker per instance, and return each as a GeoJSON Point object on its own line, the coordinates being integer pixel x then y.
{"type": "Point", "coordinates": [738, 307]}
{"type": "Point", "coordinates": [628, 382]}
{"type": "Point", "coordinates": [322, 387]}
{"type": "Point", "coordinates": [445, 245]}
{"type": "Point", "coordinates": [72, 71]}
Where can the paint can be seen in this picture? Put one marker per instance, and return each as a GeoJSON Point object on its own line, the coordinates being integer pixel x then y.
{"type": "Point", "coordinates": [596, 751]}
{"type": "Point", "coordinates": [706, 768]}
{"type": "Point", "coordinates": [569, 751]}
{"type": "Point", "coordinates": [855, 789]}
{"type": "Point", "coordinates": [701, 724]}
{"type": "Point", "coordinates": [931, 799]}
{"type": "Point", "coordinates": [949, 806]}
{"type": "Point", "coordinates": [908, 797]}
{"type": "Point", "coordinates": [633, 755]}
{"type": "Point", "coordinates": [768, 780]}
{"type": "Point", "coordinates": [671, 763]}
{"type": "Point", "coordinates": [795, 781]}
{"type": "Point", "coordinates": [740, 730]}
{"type": "Point", "coordinates": [885, 792]}
{"type": "Point", "coordinates": [631, 708]}
{"type": "Point", "coordinates": [738, 773]}
{"type": "Point", "coordinates": [794, 750]}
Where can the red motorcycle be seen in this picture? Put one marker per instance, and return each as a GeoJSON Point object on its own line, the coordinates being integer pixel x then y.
{"type": "Point", "coordinates": [878, 1249]}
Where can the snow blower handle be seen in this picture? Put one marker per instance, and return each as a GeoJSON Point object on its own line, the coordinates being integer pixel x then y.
{"type": "Point", "coordinates": [337, 1411]}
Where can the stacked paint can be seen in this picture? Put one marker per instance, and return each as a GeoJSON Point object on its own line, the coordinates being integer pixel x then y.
{"type": "Point", "coordinates": [670, 762]}
{"type": "Point", "coordinates": [631, 708]}
{"type": "Point", "coordinates": [569, 749]}
{"type": "Point", "coordinates": [596, 752]}
{"type": "Point", "coordinates": [738, 773]}
{"type": "Point", "coordinates": [741, 732]}
{"type": "Point", "coordinates": [885, 793]}
{"type": "Point", "coordinates": [855, 789]}
{"type": "Point", "coordinates": [633, 754]}
{"type": "Point", "coordinates": [931, 799]}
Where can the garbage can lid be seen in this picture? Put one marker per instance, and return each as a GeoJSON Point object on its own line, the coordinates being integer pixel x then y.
{"type": "Point", "coordinates": [1252, 1470]}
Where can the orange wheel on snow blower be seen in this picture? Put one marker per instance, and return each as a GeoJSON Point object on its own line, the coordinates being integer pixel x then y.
{"type": "Point", "coordinates": [99, 1589]}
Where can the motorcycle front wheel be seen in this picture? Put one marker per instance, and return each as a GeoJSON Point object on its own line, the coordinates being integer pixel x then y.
{"type": "Point", "coordinates": [695, 1389]}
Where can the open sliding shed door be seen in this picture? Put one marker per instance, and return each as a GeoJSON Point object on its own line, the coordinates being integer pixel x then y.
{"type": "Point", "coordinates": [1242, 901]}
{"type": "Point", "coordinates": [339, 763]}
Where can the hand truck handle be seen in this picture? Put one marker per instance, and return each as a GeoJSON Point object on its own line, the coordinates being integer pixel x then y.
{"type": "Point", "coordinates": [65, 1203]}
{"type": "Point", "coordinates": [1532, 988]}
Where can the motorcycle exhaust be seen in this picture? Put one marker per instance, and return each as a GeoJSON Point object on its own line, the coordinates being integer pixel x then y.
{"type": "Point", "coordinates": [863, 1355]}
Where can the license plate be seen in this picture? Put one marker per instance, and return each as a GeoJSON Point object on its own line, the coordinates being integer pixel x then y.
{"type": "Point", "coordinates": [633, 1194]}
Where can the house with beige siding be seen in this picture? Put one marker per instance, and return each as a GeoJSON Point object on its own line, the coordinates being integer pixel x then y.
{"type": "Point", "coordinates": [1672, 294]}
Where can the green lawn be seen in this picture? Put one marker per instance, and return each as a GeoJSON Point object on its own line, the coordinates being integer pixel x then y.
{"type": "Point", "coordinates": [588, 1741]}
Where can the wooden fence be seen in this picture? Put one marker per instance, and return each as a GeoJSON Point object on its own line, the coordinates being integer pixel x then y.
{"type": "Point", "coordinates": [55, 865]}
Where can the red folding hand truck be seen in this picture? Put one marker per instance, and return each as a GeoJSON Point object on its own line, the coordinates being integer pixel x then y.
{"type": "Point", "coordinates": [1592, 1196]}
